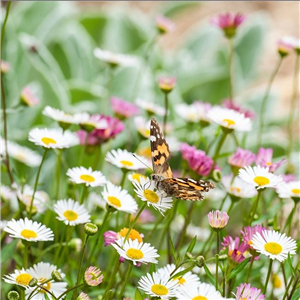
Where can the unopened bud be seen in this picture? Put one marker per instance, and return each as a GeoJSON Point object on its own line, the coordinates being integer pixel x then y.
{"type": "Point", "coordinates": [217, 176]}
{"type": "Point", "coordinates": [90, 228]}
{"type": "Point", "coordinates": [200, 261]}
{"type": "Point", "coordinates": [55, 275]}
{"type": "Point", "coordinates": [189, 255]}
{"type": "Point", "coordinates": [13, 295]}
{"type": "Point", "coordinates": [33, 282]}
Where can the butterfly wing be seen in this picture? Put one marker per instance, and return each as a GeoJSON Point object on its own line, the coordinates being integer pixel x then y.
{"type": "Point", "coordinates": [160, 151]}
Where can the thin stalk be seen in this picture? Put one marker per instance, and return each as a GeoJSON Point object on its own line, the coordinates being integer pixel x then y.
{"type": "Point", "coordinates": [291, 219]}
{"type": "Point", "coordinates": [47, 291]}
{"type": "Point", "coordinates": [26, 254]}
{"type": "Point", "coordinates": [36, 182]}
{"type": "Point", "coordinates": [268, 276]}
{"type": "Point", "coordinates": [249, 270]}
{"type": "Point", "coordinates": [294, 287]}
{"type": "Point", "coordinates": [230, 207]}
{"type": "Point", "coordinates": [217, 258]}
{"type": "Point", "coordinates": [58, 167]}
{"type": "Point", "coordinates": [231, 50]}
{"type": "Point", "coordinates": [69, 290]}
{"type": "Point", "coordinates": [4, 100]}
{"type": "Point", "coordinates": [252, 213]}
{"type": "Point", "coordinates": [283, 274]}
{"type": "Point", "coordinates": [123, 177]}
{"type": "Point", "coordinates": [223, 201]}
{"type": "Point", "coordinates": [126, 280]}
{"type": "Point", "coordinates": [31, 294]}
{"type": "Point", "coordinates": [224, 287]}
{"type": "Point", "coordinates": [112, 277]}
{"type": "Point", "coordinates": [219, 146]}
{"type": "Point", "coordinates": [288, 287]}
{"type": "Point", "coordinates": [166, 113]}
{"type": "Point", "coordinates": [83, 195]}
{"type": "Point", "coordinates": [264, 102]}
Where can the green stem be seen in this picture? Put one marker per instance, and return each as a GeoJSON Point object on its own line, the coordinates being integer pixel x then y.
{"type": "Point", "coordinates": [264, 103]}
{"type": "Point", "coordinates": [112, 278]}
{"type": "Point", "coordinates": [4, 100]}
{"type": "Point", "coordinates": [217, 258]}
{"type": "Point", "coordinates": [69, 290]}
{"type": "Point", "coordinates": [126, 280]}
{"type": "Point", "coordinates": [166, 113]}
{"type": "Point", "coordinates": [83, 195]}
{"type": "Point", "coordinates": [47, 291]}
{"type": "Point", "coordinates": [291, 219]}
{"type": "Point", "coordinates": [26, 254]}
{"type": "Point", "coordinates": [294, 287]}
{"type": "Point", "coordinates": [58, 167]}
{"type": "Point", "coordinates": [249, 270]}
{"type": "Point", "coordinates": [288, 287]}
{"type": "Point", "coordinates": [125, 171]}
{"type": "Point", "coordinates": [253, 211]}
{"type": "Point", "coordinates": [230, 207]}
{"type": "Point", "coordinates": [283, 274]}
{"type": "Point", "coordinates": [36, 182]}
{"type": "Point", "coordinates": [223, 201]}
{"type": "Point", "coordinates": [219, 146]}
{"type": "Point", "coordinates": [231, 50]}
{"type": "Point", "coordinates": [268, 276]}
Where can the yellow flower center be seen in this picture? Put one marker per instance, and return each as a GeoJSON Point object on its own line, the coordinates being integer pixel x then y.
{"type": "Point", "coordinates": [151, 196]}
{"type": "Point", "coordinates": [28, 234]}
{"type": "Point", "coordinates": [269, 163]}
{"type": "Point", "coordinates": [235, 189]}
{"type": "Point", "coordinates": [191, 116]}
{"type": "Point", "coordinates": [23, 279]}
{"type": "Point", "coordinates": [276, 281]}
{"type": "Point", "coordinates": [145, 152]}
{"type": "Point", "coordinates": [261, 180]}
{"type": "Point", "coordinates": [229, 122]}
{"type": "Point", "coordinates": [87, 178]}
{"type": "Point", "coordinates": [114, 201]}
{"type": "Point", "coordinates": [46, 285]}
{"type": "Point", "coordinates": [134, 235]}
{"type": "Point", "coordinates": [48, 141]}
{"type": "Point", "coordinates": [159, 289]}
{"type": "Point", "coordinates": [181, 280]}
{"type": "Point", "coordinates": [134, 253]}
{"type": "Point", "coordinates": [296, 191]}
{"type": "Point", "coordinates": [70, 215]}
{"type": "Point", "coordinates": [137, 176]}
{"type": "Point", "coordinates": [273, 248]}
{"type": "Point", "coordinates": [20, 156]}
{"type": "Point", "coordinates": [199, 298]}
{"type": "Point", "coordinates": [126, 163]}
{"type": "Point", "coordinates": [147, 132]}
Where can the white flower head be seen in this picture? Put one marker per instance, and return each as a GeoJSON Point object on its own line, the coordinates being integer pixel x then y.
{"type": "Point", "coordinates": [86, 176]}
{"type": "Point", "coordinates": [53, 138]}
{"type": "Point", "coordinates": [150, 107]}
{"type": "Point", "coordinates": [42, 272]}
{"type": "Point", "coordinates": [135, 177]}
{"type": "Point", "coordinates": [199, 291]}
{"type": "Point", "coordinates": [274, 244]}
{"type": "Point", "coordinates": [194, 112]}
{"type": "Point", "coordinates": [289, 189]}
{"type": "Point", "coordinates": [136, 251]}
{"type": "Point", "coordinates": [229, 118]}
{"type": "Point", "coordinates": [94, 121]}
{"type": "Point", "coordinates": [59, 115]}
{"type": "Point", "coordinates": [125, 160]}
{"type": "Point", "coordinates": [238, 187]}
{"type": "Point", "coordinates": [18, 277]}
{"type": "Point", "coordinates": [118, 198]}
{"type": "Point", "coordinates": [71, 212]}
{"type": "Point", "coordinates": [29, 230]}
{"type": "Point", "coordinates": [142, 125]}
{"type": "Point", "coordinates": [146, 191]}
{"type": "Point", "coordinates": [260, 177]}
{"type": "Point", "coordinates": [158, 285]}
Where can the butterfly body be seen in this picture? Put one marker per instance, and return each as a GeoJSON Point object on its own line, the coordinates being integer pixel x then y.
{"type": "Point", "coordinates": [182, 188]}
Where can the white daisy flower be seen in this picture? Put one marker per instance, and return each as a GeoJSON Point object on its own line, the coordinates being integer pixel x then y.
{"type": "Point", "coordinates": [119, 199]}
{"type": "Point", "coordinates": [53, 138]}
{"type": "Point", "coordinates": [150, 107]}
{"type": "Point", "coordinates": [136, 251]}
{"type": "Point", "coordinates": [158, 285]}
{"type": "Point", "coordinates": [229, 118]}
{"type": "Point", "coordinates": [7, 193]}
{"type": "Point", "coordinates": [59, 115]}
{"type": "Point", "coordinates": [87, 121]}
{"type": "Point", "coordinates": [40, 201]}
{"type": "Point", "coordinates": [125, 160]}
{"type": "Point", "coordinates": [94, 200]}
{"type": "Point", "coordinates": [199, 291]}
{"type": "Point", "coordinates": [87, 176]}
{"type": "Point", "coordinates": [135, 177]}
{"type": "Point", "coordinates": [238, 188]}
{"type": "Point", "coordinates": [29, 230]}
{"type": "Point", "coordinates": [274, 244]}
{"type": "Point", "coordinates": [21, 153]}
{"type": "Point", "coordinates": [115, 59]}
{"type": "Point", "coordinates": [42, 272]}
{"type": "Point", "coordinates": [194, 112]}
{"type": "Point", "coordinates": [289, 189]}
{"type": "Point", "coordinates": [146, 191]}
{"type": "Point", "coordinates": [142, 125]}
{"type": "Point", "coordinates": [260, 177]}
{"type": "Point", "coordinates": [187, 278]}
{"type": "Point", "coordinates": [19, 277]}
{"type": "Point", "coordinates": [71, 212]}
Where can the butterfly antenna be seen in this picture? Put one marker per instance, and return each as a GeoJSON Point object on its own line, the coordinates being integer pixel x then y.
{"type": "Point", "coordinates": [142, 162]}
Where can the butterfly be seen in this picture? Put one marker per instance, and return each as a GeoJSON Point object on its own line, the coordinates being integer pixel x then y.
{"type": "Point", "coordinates": [182, 188]}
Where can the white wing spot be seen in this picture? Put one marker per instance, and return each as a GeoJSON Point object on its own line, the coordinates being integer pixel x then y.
{"type": "Point", "coordinates": [152, 138]}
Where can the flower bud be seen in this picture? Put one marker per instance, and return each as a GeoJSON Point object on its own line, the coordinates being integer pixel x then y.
{"type": "Point", "coordinates": [200, 261]}
{"type": "Point", "coordinates": [83, 296]}
{"type": "Point", "coordinates": [33, 282]}
{"type": "Point", "coordinates": [166, 84]}
{"type": "Point", "coordinates": [13, 295]}
{"type": "Point", "coordinates": [55, 275]}
{"type": "Point", "coordinates": [189, 255]}
{"type": "Point", "coordinates": [90, 229]}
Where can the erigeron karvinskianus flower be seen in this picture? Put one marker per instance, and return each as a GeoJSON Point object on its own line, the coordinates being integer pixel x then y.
{"type": "Point", "coordinates": [29, 230]}
{"type": "Point", "coordinates": [264, 159]}
{"type": "Point", "coordinates": [93, 276]}
{"type": "Point", "coordinates": [135, 177]}
{"type": "Point", "coordinates": [111, 236]}
{"type": "Point", "coordinates": [241, 158]}
{"type": "Point", "coordinates": [231, 105]}
{"type": "Point", "coordinates": [123, 109]}
{"type": "Point", "coordinates": [166, 84]}
{"type": "Point", "coordinates": [146, 191]}
{"type": "Point", "coordinates": [91, 122]}
{"type": "Point", "coordinates": [229, 119]}
{"type": "Point", "coordinates": [71, 212]}
{"type": "Point", "coordinates": [249, 232]}
{"type": "Point", "coordinates": [217, 219]}
{"type": "Point", "coordinates": [83, 296]}
{"type": "Point", "coordinates": [164, 24]}
{"type": "Point", "coordinates": [158, 285]}
{"type": "Point", "coordinates": [228, 22]}
{"type": "Point", "coordinates": [237, 250]}
{"type": "Point", "coordinates": [53, 138]}
{"type": "Point", "coordinates": [143, 126]}
{"type": "Point", "coordinates": [274, 244]}
{"type": "Point", "coordinates": [88, 177]}
{"type": "Point", "coordinates": [246, 292]}
{"type": "Point", "coordinates": [119, 198]}
{"type": "Point", "coordinates": [285, 45]}
{"type": "Point", "coordinates": [260, 177]}
{"type": "Point", "coordinates": [289, 190]}
{"type": "Point", "coordinates": [137, 252]}
{"type": "Point", "coordinates": [125, 160]}
{"type": "Point", "coordinates": [28, 98]}
{"type": "Point", "coordinates": [150, 107]}
{"type": "Point", "coordinates": [289, 178]}
{"type": "Point", "coordinates": [18, 277]}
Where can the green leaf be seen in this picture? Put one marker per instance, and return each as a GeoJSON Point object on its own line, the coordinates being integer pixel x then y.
{"type": "Point", "coordinates": [152, 268]}
{"type": "Point", "coordinates": [296, 295]}
{"type": "Point", "coordinates": [173, 251]}
{"type": "Point", "coordinates": [7, 250]}
{"type": "Point", "coordinates": [291, 265]}
{"type": "Point", "coordinates": [46, 296]}
{"type": "Point", "coordinates": [209, 275]}
{"type": "Point", "coordinates": [239, 268]}
{"type": "Point", "coordinates": [192, 245]}
{"type": "Point", "coordinates": [174, 7]}
{"type": "Point", "coordinates": [179, 274]}
{"type": "Point", "coordinates": [138, 295]}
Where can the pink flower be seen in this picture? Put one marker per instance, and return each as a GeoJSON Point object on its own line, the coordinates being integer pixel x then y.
{"type": "Point", "coordinates": [241, 158]}
{"type": "Point", "coordinates": [92, 276]}
{"type": "Point", "coordinates": [249, 232]}
{"type": "Point", "coordinates": [247, 113]}
{"type": "Point", "coordinates": [110, 237]}
{"type": "Point", "coordinates": [236, 249]}
{"type": "Point", "coordinates": [146, 216]}
{"type": "Point", "coordinates": [229, 22]}
{"type": "Point", "coordinates": [285, 45]}
{"type": "Point", "coordinates": [289, 178]}
{"type": "Point", "coordinates": [246, 292]}
{"type": "Point", "coordinates": [264, 159]}
{"type": "Point", "coordinates": [166, 84]}
{"type": "Point", "coordinates": [123, 108]}
{"type": "Point", "coordinates": [28, 98]}
{"type": "Point", "coordinates": [217, 219]}
{"type": "Point", "coordinates": [197, 159]}
{"type": "Point", "coordinates": [164, 25]}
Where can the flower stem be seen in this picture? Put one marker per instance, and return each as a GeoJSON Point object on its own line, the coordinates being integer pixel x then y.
{"type": "Point", "coordinates": [217, 258]}
{"type": "Point", "coordinates": [253, 211]}
{"type": "Point", "coordinates": [112, 278]}
{"type": "Point", "coordinates": [268, 276]}
{"type": "Point", "coordinates": [218, 149]}
{"type": "Point", "coordinates": [83, 195]}
{"type": "Point", "coordinates": [123, 177]}
{"type": "Point", "coordinates": [58, 167]}
{"type": "Point", "coordinates": [126, 280]}
{"type": "Point", "coordinates": [230, 207]}
{"type": "Point", "coordinates": [264, 103]}
{"type": "Point", "coordinates": [231, 50]}
{"type": "Point", "coordinates": [69, 290]}
{"type": "Point", "coordinates": [166, 113]}
{"type": "Point", "coordinates": [249, 270]}
{"type": "Point", "coordinates": [223, 201]}
{"type": "Point", "coordinates": [36, 182]}
{"type": "Point", "coordinates": [4, 99]}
